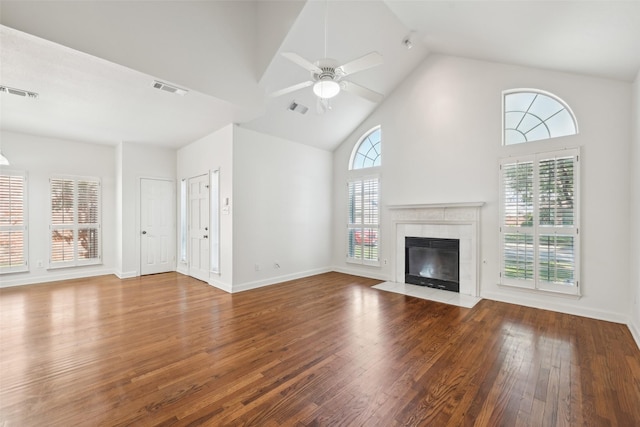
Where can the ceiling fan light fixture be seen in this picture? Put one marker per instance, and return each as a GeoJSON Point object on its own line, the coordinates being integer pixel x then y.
{"type": "Point", "coordinates": [326, 88]}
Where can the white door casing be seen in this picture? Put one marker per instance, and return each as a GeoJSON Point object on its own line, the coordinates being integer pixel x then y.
{"type": "Point", "coordinates": [157, 226]}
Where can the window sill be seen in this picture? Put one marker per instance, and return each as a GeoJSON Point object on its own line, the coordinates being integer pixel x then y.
{"type": "Point", "coordinates": [574, 296]}
{"type": "Point", "coordinates": [59, 267]}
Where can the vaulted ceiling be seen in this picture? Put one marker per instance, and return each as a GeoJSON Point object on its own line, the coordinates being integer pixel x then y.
{"type": "Point", "coordinates": [93, 62]}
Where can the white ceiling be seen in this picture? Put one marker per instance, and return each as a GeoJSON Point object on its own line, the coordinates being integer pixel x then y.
{"type": "Point", "coordinates": [93, 62]}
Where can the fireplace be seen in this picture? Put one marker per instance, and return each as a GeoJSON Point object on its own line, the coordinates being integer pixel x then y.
{"type": "Point", "coordinates": [433, 262]}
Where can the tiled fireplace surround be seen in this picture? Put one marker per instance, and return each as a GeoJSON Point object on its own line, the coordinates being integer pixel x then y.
{"type": "Point", "coordinates": [447, 221]}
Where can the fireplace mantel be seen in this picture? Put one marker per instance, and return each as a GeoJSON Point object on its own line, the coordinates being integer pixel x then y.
{"type": "Point", "coordinates": [459, 220]}
{"type": "Point", "coordinates": [438, 205]}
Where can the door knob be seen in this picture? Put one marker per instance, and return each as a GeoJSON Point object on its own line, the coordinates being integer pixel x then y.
{"type": "Point", "coordinates": [206, 229]}
{"type": "Point", "coordinates": [205, 236]}
{"type": "Point", "coordinates": [144, 232]}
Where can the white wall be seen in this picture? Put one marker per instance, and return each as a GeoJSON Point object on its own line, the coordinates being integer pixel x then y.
{"type": "Point", "coordinates": [282, 209]}
{"type": "Point", "coordinates": [634, 260]}
{"type": "Point", "coordinates": [212, 152]}
{"type": "Point", "coordinates": [41, 158]}
{"type": "Point", "coordinates": [442, 141]}
{"type": "Point", "coordinates": [135, 161]}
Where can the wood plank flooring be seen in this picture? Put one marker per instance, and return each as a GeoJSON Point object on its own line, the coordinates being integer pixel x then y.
{"type": "Point", "coordinates": [327, 350]}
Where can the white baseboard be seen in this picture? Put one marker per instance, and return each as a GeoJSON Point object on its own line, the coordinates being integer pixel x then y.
{"type": "Point", "coordinates": [635, 331]}
{"type": "Point", "coordinates": [368, 274]}
{"type": "Point", "coordinates": [51, 276]}
{"type": "Point", "coordinates": [126, 275]}
{"type": "Point", "coordinates": [556, 306]}
{"type": "Point", "coordinates": [222, 286]}
{"type": "Point", "coordinates": [279, 279]}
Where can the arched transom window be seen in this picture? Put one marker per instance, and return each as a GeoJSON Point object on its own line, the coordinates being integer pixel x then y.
{"type": "Point", "coordinates": [367, 153]}
{"type": "Point", "coordinates": [531, 115]}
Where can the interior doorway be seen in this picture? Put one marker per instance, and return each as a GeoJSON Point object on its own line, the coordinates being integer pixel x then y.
{"type": "Point", "coordinates": [157, 226]}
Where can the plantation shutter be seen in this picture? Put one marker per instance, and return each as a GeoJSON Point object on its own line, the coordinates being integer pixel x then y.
{"type": "Point", "coordinates": [364, 222]}
{"type": "Point", "coordinates": [539, 221]}
{"type": "Point", "coordinates": [13, 222]}
{"type": "Point", "coordinates": [557, 218]}
{"type": "Point", "coordinates": [75, 221]}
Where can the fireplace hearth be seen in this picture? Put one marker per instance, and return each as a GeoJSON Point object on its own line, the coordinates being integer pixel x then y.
{"type": "Point", "coordinates": [433, 262]}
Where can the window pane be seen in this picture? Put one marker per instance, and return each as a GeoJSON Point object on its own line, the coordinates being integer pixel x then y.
{"type": "Point", "coordinates": [518, 256]}
{"type": "Point", "coordinates": [11, 200]}
{"type": "Point", "coordinates": [11, 249]}
{"type": "Point", "coordinates": [368, 152]}
{"type": "Point", "coordinates": [531, 116]}
{"type": "Point", "coordinates": [88, 202]}
{"type": "Point", "coordinates": [370, 244]}
{"type": "Point", "coordinates": [562, 124]}
{"type": "Point", "coordinates": [518, 101]}
{"type": "Point", "coordinates": [518, 194]}
{"type": "Point", "coordinates": [62, 201]}
{"type": "Point", "coordinates": [353, 250]}
{"type": "Point", "coordinates": [556, 192]}
{"type": "Point", "coordinates": [61, 245]}
{"type": "Point", "coordinates": [355, 202]}
{"type": "Point", "coordinates": [88, 243]}
{"type": "Point", "coordinates": [370, 205]}
{"type": "Point", "coordinates": [557, 259]}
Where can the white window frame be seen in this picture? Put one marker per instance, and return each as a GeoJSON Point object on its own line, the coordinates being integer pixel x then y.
{"type": "Point", "coordinates": [537, 92]}
{"type": "Point", "coordinates": [23, 227]}
{"type": "Point", "coordinates": [361, 225]}
{"type": "Point", "coordinates": [75, 226]}
{"type": "Point", "coordinates": [536, 230]}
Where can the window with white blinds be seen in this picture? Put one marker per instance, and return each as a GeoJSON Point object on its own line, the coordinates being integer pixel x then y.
{"type": "Point", "coordinates": [75, 237]}
{"type": "Point", "coordinates": [13, 222]}
{"type": "Point", "coordinates": [540, 240]}
{"type": "Point", "coordinates": [364, 221]}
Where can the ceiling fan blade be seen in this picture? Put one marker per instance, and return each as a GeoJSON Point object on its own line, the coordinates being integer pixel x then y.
{"type": "Point", "coordinates": [297, 59]}
{"type": "Point", "coordinates": [362, 91]}
{"type": "Point", "coordinates": [291, 89]}
{"type": "Point", "coordinates": [364, 62]}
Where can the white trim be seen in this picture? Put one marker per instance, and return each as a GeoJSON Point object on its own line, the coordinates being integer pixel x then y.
{"type": "Point", "coordinates": [126, 274]}
{"type": "Point", "coordinates": [274, 280]}
{"type": "Point", "coordinates": [71, 273]}
{"type": "Point", "coordinates": [438, 205]}
{"type": "Point", "coordinates": [554, 305]}
{"type": "Point", "coordinates": [635, 332]}
{"type": "Point", "coordinates": [542, 92]}
{"type": "Point", "coordinates": [356, 147]}
{"type": "Point", "coordinates": [369, 274]}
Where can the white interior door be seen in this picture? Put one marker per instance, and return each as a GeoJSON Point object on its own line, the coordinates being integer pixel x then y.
{"type": "Point", "coordinates": [199, 227]}
{"type": "Point", "coordinates": [157, 226]}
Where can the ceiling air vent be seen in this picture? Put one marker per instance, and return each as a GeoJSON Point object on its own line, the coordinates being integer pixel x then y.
{"type": "Point", "coordinates": [19, 92]}
{"type": "Point", "coordinates": [168, 88]}
{"type": "Point", "coordinates": [298, 108]}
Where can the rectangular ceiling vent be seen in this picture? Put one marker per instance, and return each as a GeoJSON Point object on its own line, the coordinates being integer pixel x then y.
{"type": "Point", "coordinates": [168, 88]}
{"type": "Point", "coordinates": [298, 108]}
{"type": "Point", "coordinates": [19, 92]}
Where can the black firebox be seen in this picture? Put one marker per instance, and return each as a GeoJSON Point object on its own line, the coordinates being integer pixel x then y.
{"type": "Point", "coordinates": [432, 262]}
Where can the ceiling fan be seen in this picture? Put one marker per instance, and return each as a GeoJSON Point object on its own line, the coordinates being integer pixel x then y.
{"type": "Point", "coordinates": [328, 77]}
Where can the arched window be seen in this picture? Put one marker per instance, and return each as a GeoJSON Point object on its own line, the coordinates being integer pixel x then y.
{"type": "Point", "coordinates": [363, 192]}
{"type": "Point", "coordinates": [531, 115]}
{"type": "Point", "coordinates": [367, 152]}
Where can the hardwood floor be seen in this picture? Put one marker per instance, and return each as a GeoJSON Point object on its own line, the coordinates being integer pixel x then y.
{"type": "Point", "coordinates": [325, 350]}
